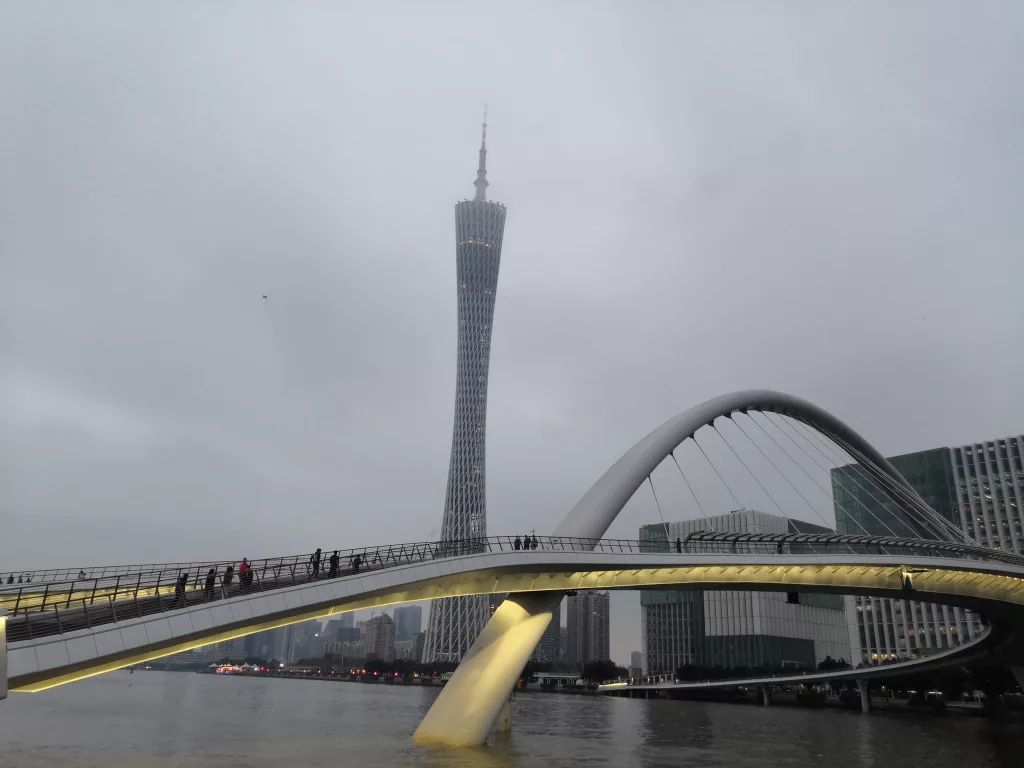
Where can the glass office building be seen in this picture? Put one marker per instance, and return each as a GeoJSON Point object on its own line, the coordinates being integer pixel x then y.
{"type": "Point", "coordinates": [978, 488]}
{"type": "Point", "coordinates": [736, 628]}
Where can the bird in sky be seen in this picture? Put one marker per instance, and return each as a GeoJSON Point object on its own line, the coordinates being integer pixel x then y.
{"type": "Point", "coordinates": [264, 295]}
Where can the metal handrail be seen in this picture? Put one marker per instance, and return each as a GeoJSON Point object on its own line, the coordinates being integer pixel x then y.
{"type": "Point", "coordinates": [58, 606]}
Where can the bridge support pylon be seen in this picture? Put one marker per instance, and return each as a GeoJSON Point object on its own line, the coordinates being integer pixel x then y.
{"type": "Point", "coordinates": [504, 724]}
{"type": "Point", "coordinates": [469, 705]}
{"type": "Point", "coordinates": [766, 696]}
{"type": "Point", "coordinates": [865, 701]}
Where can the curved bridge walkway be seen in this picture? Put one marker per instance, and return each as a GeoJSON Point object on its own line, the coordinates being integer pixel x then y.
{"type": "Point", "coordinates": [63, 630]}
{"type": "Point", "coordinates": [666, 684]}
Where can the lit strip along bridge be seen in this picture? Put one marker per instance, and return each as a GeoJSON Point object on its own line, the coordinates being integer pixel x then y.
{"type": "Point", "coordinates": [62, 631]}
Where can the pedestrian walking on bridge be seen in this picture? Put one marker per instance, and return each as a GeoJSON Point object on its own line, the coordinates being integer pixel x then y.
{"type": "Point", "coordinates": [244, 574]}
{"type": "Point", "coordinates": [315, 562]}
{"type": "Point", "coordinates": [179, 590]}
{"type": "Point", "coordinates": [334, 564]}
{"type": "Point", "coordinates": [211, 582]}
{"type": "Point", "coordinates": [229, 575]}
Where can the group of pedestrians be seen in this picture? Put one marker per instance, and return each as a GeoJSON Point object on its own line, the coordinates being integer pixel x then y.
{"type": "Point", "coordinates": [529, 542]}
{"type": "Point", "coordinates": [26, 578]}
{"type": "Point", "coordinates": [333, 564]}
{"type": "Point", "coordinates": [245, 579]}
{"type": "Point", "coordinates": [245, 575]}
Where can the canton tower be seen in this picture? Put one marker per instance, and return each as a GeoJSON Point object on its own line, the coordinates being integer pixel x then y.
{"type": "Point", "coordinates": [479, 225]}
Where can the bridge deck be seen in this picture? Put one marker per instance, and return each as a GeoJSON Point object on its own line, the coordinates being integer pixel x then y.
{"type": "Point", "coordinates": [70, 604]}
{"type": "Point", "coordinates": [54, 644]}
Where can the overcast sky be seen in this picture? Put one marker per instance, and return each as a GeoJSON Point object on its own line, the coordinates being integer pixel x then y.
{"type": "Point", "coordinates": [822, 198]}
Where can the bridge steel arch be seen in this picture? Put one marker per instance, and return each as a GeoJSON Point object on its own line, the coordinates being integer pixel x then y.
{"type": "Point", "coordinates": [488, 673]}
{"type": "Point", "coordinates": [597, 509]}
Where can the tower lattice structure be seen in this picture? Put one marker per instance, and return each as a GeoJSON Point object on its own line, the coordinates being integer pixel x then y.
{"type": "Point", "coordinates": [479, 227]}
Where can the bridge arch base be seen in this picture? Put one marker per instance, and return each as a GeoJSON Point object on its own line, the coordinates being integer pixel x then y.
{"type": "Point", "coordinates": [469, 705]}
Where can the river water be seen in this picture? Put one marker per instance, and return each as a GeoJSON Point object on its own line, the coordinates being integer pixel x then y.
{"type": "Point", "coordinates": [159, 719]}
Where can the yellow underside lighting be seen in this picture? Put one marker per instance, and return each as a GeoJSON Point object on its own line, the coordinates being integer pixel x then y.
{"type": "Point", "coordinates": [932, 583]}
{"type": "Point", "coordinates": [29, 601]}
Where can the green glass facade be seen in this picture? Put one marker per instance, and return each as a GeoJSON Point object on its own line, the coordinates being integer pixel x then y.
{"type": "Point", "coordinates": [862, 508]}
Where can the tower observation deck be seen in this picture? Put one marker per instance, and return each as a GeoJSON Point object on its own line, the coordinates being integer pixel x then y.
{"type": "Point", "coordinates": [479, 227]}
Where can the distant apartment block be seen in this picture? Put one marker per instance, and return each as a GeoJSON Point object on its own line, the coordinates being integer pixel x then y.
{"type": "Point", "coordinates": [588, 635]}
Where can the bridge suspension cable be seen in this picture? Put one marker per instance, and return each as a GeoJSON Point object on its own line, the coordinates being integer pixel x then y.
{"type": "Point", "coordinates": [658, 505]}
{"type": "Point", "coordinates": [902, 496]}
{"type": "Point", "coordinates": [750, 472]}
{"type": "Point", "coordinates": [835, 502]}
{"type": "Point", "coordinates": [933, 523]}
{"type": "Point", "coordinates": [846, 462]}
{"type": "Point", "coordinates": [781, 473]}
{"type": "Point", "coordinates": [822, 488]}
{"type": "Point", "coordinates": [855, 497]}
{"type": "Point", "coordinates": [927, 521]}
{"type": "Point", "coordinates": [722, 479]}
{"type": "Point", "coordinates": [690, 489]}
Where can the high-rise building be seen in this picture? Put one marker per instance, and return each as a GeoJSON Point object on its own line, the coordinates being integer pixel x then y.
{"type": "Point", "coordinates": [736, 628]}
{"type": "Point", "coordinates": [404, 649]}
{"type": "Point", "coordinates": [549, 649]}
{"type": "Point", "coordinates": [344, 651]}
{"type": "Point", "coordinates": [636, 664]}
{"type": "Point", "coordinates": [379, 639]}
{"type": "Point", "coordinates": [588, 629]}
{"type": "Point", "coordinates": [990, 492]}
{"type": "Point", "coordinates": [479, 228]}
{"type": "Point", "coordinates": [421, 643]}
{"type": "Point", "coordinates": [980, 489]}
{"type": "Point", "coordinates": [333, 628]}
{"type": "Point", "coordinates": [279, 644]}
{"type": "Point", "coordinates": [349, 634]}
{"type": "Point", "coordinates": [259, 645]}
{"type": "Point", "coordinates": [304, 640]}
{"type": "Point", "coordinates": [408, 621]}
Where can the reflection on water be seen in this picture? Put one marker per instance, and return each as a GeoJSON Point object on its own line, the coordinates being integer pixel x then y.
{"type": "Point", "coordinates": [158, 720]}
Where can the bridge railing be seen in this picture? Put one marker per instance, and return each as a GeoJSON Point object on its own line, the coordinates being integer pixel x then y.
{"type": "Point", "coordinates": [102, 595]}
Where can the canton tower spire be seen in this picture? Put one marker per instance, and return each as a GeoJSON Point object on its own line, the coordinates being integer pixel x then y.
{"type": "Point", "coordinates": [479, 227]}
{"type": "Point", "coordinates": [481, 171]}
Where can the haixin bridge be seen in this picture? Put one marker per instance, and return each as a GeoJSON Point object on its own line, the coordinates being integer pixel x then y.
{"type": "Point", "coordinates": [64, 625]}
